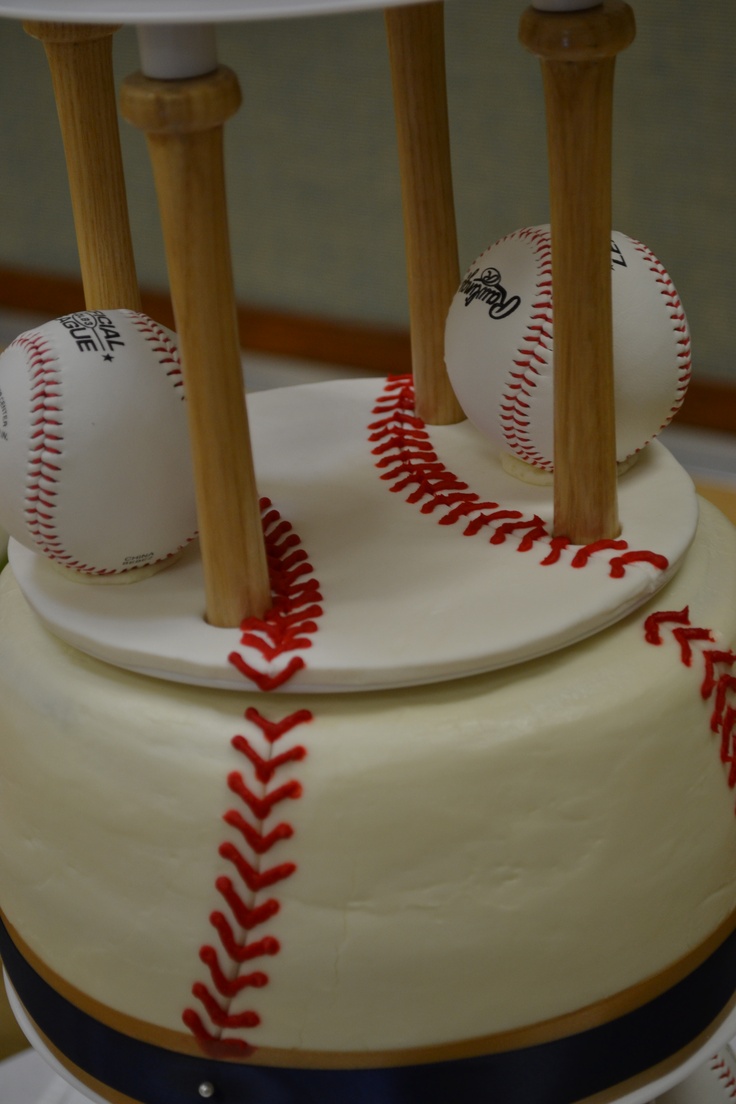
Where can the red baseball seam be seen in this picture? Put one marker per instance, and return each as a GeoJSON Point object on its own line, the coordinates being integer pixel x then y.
{"type": "Point", "coordinates": [717, 685]}
{"type": "Point", "coordinates": [288, 626]}
{"type": "Point", "coordinates": [260, 828]}
{"type": "Point", "coordinates": [408, 462]}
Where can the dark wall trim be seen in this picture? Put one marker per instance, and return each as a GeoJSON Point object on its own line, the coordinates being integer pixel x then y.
{"type": "Point", "coordinates": [710, 404]}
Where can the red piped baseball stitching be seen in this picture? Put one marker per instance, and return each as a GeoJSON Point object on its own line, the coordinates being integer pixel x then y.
{"type": "Point", "coordinates": [248, 904]}
{"type": "Point", "coordinates": [717, 685]}
{"type": "Point", "coordinates": [408, 462]}
{"type": "Point", "coordinates": [47, 437]}
{"type": "Point", "coordinates": [292, 620]}
{"type": "Point", "coordinates": [533, 357]}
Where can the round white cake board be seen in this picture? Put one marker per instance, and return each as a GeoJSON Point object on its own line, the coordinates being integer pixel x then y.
{"type": "Point", "coordinates": [181, 11]}
{"type": "Point", "coordinates": [407, 599]}
{"type": "Point", "coordinates": [646, 1094]}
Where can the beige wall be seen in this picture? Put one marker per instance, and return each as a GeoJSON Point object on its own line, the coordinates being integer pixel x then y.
{"type": "Point", "coordinates": [314, 190]}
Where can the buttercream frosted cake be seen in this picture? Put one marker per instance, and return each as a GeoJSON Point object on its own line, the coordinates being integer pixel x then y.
{"type": "Point", "coordinates": [453, 820]}
{"type": "Point", "coordinates": [360, 849]}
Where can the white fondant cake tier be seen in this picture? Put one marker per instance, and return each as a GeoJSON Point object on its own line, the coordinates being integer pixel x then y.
{"type": "Point", "coordinates": [400, 869]}
{"type": "Point", "coordinates": [427, 560]}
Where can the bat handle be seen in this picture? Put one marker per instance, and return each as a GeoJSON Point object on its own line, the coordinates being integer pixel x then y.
{"type": "Point", "coordinates": [80, 60]}
{"type": "Point", "coordinates": [417, 55]}
{"type": "Point", "coordinates": [577, 50]}
{"type": "Point", "coordinates": [183, 121]}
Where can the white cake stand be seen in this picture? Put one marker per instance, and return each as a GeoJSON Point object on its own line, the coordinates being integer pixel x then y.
{"type": "Point", "coordinates": [181, 11]}
{"type": "Point", "coordinates": [647, 1094]}
{"type": "Point", "coordinates": [43, 1051]}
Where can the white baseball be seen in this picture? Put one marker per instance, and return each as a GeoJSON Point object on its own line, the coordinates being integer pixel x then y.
{"type": "Point", "coordinates": [95, 465]}
{"type": "Point", "coordinates": [499, 345]}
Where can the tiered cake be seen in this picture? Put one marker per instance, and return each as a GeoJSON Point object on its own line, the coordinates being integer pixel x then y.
{"type": "Point", "coordinates": [452, 820]}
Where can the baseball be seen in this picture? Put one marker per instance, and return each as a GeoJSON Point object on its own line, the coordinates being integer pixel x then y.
{"type": "Point", "coordinates": [95, 466]}
{"type": "Point", "coordinates": [499, 345]}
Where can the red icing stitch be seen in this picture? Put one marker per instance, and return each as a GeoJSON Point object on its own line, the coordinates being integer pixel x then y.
{"type": "Point", "coordinates": [725, 684]}
{"type": "Point", "coordinates": [482, 520]}
{"type": "Point", "coordinates": [462, 504]}
{"type": "Point", "coordinates": [285, 629]}
{"type": "Point", "coordinates": [683, 638]}
{"type": "Point", "coordinates": [719, 686]}
{"type": "Point", "coordinates": [291, 621]}
{"type": "Point", "coordinates": [557, 546]}
{"type": "Point", "coordinates": [509, 528]}
{"type": "Point", "coordinates": [263, 681]}
{"type": "Point", "coordinates": [253, 878]}
{"type": "Point", "coordinates": [712, 659]}
{"type": "Point", "coordinates": [652, 634]}
{"type": "Point", "coordinates": [261, 806]}
{"type": "Point", "coordinates": [619, 563]}
{"type": "Point", "coordinates": [248, 918]}
{"type": "Point", "coordinates": [582, 556]}
{"type": "Point", "coordinates": [219, 1016]}
{"type": "Point", "coordinates": [229, 987]}
{"type": "Point", "coordinates": [212, 1044]}
{"type": "Point", "coordinates": [408, 461]}
{"type": "Point", "coordinates": [726, 741]}
{"type": "Point", "coordinates": [265, 768]}
{"type": "Point", "coordinates": [256, 840]}
{"type": "Point", "coordinates": [270, 651]}
{"type": "Point", "coordinates": [533, 534]}
{"type": "Point", "coordinates": [272, 730]}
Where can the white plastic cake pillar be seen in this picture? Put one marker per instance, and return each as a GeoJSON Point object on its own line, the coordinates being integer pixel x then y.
{"type": "Point", "coordinates": [417, 53]}
{"type": "Point", "coordinates": [80, 60]}
{"type": "Point", "coordinates": [181, 102]}
{"type": "Point", "coordinates": [578, 49]}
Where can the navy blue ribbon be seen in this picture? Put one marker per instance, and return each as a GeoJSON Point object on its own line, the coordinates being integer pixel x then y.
{"type": "Point", "coordinates": [559, 1072]}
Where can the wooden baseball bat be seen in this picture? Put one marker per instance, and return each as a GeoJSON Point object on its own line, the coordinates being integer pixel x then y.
{"type": "Point", "coordinates": [80, 60]}
{"type": "Point", "coordinates": [183, 121]}
{"type": "Point", "coordinates": [578, 51]}
{"type": "Point", "coordinates": [417, 55]}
